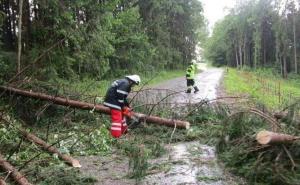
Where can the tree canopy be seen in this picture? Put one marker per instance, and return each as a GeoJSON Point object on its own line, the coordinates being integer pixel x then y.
{"type": "Point", "coordinates": [100, 38]}
{"type": "Point", "coordinates": [259, 33]}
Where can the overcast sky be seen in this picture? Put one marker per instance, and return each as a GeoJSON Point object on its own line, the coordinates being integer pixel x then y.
{"type": "Point", "coordinates": [216, 9]}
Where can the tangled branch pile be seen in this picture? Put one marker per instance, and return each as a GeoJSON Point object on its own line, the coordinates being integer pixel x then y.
{"type": "Point", "coordinates": [263, 164]}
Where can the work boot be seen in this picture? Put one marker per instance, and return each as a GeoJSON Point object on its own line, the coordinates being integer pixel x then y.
{"type": "Point", "coordinates": [196, 89]}
{"type": "Point", "coordinates": [188, 91]}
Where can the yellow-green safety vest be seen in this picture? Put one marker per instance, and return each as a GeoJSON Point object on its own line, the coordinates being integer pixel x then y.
{"type": "Point", "coordinates": [190, 72]}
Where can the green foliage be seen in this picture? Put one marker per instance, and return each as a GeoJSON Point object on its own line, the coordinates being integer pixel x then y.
{"type": "Point", "coordinates": [138, 161]}
{"type": "Point", "coordinates": [205, 122]}
{"type": "Point", "coordinates": [60, 175]}
{"type": "Point", "coordinates": [259, 164]}
{"type": "Point", "coordinates": [172, 27]}
{"type": "Point", "coordinates": [104, 39]}
{"type": "Point", "coordinates": [256, 34]}
{"type": "Point", "coordinates": [218, 45]}
{"type": "Point", "coordinates": [2, 17]}
{"type": "Point", "coordinates": [88, 138]}
{"type": "Point", "coordinates": [6, 65]}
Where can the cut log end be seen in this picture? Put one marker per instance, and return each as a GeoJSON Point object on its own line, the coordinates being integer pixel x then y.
{"type": "Point", "coordinates": [76, 164]}
{"type": "Point", "coordinates": [187, 126]}
{"type": "Point", "coordinates": [263, 137]}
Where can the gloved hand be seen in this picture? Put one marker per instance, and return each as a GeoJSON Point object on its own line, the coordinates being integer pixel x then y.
{"type": "Point", "coordinates": [127, 111]}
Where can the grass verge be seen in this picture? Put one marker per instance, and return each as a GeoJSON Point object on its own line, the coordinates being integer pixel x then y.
{"type": "Point", "coordinates": [264, 87]}
{"type": "Point", "coordinates": [92, 88]}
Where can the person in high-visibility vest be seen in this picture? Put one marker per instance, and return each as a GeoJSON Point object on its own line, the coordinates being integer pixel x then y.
{"type": "Point", "coordinates": [190, 77]}
{"type": "Point", "coordinates": [116, 100]}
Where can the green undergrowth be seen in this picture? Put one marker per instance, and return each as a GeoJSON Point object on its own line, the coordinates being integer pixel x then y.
{"type": "Point", "coordinates": [148, 141]}
{"type": "Point", "coordinates": [260, 164]}
{"type": "Point", "coordinates": [263, 86]}
{"type": "Point", "coordinates": [78, 132]}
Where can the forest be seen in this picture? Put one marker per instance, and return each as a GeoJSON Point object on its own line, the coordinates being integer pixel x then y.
{"type": "Point", "coordinates": [97, 39]}
{"type": "Point", "coordinates": [258, 34]}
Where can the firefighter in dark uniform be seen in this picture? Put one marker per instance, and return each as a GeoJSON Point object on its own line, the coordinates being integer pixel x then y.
{"type": "Point", "coordinates": [190, 77]}
{"type": "Point", "coordinates": [116, 100]}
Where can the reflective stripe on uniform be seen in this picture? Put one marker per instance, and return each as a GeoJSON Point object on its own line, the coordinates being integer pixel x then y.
{"type": "Point", "coordinates": [116, 128]}
{"type": "Point", "coordinates": [122, 92]}
{"type": "Point", "coordinates": [121, 101]}
{"type": "Point", "coordinates": [112, 105]}
{"type": "Point", "coordinates": [116, 124]}
{"type": "Point", "coordinates": [114, 83]}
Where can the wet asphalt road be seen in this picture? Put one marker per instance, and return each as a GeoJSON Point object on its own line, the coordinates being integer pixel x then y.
{"type": "Point", "coordinates": [207, 82]}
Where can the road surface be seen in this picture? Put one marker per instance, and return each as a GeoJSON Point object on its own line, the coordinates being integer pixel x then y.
{"type": "Point", "coordinates": [191, 162]}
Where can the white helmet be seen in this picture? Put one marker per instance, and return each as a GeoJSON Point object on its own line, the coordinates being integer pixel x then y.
{"type": "Point", "coordinates": [135, 78]}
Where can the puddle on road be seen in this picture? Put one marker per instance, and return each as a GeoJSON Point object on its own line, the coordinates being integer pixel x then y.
{"type": "Point", "coordinates": [189, 163]}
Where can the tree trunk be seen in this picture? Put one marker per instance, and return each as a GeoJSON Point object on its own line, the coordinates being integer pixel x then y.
{"type": "Point", "coordinates": [284, 67]}
{"type": "Point", "coordinates": [17, 176]}
{"type": "Point", "coordinates": [14, 9]}
{"type": "Point", "coordinates": [20, 36]}
{"type": "Point", "coordinates": [8, 35]}
{"type": "Point", "coordinates": [241, 56]}
{"type": "Point", "coordinates": [295, 44]}
{"type": "Point", "coordinates": [265, 55]}
{"type": "Point", "coordinates": [268, 138]}
{"type": "Point", "coordinates": [244, 50]}
{"type": "Point", "coordinates": [2, 182]}
{"type": "Point", "coordinates": [90, 106]}
{"type": "Point", "coordinates": [237, 58]}
{"type": "Point", "coordinates": [26, 26]}
{"type": "Point", "coordinates": [75, 163]}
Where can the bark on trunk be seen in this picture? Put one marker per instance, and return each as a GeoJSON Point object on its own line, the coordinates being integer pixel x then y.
{"type": "Point", "coordinates": [17, 176]}
{"type": "Point", "coordinates": [245, 62]}
{"type": "Point", "coordinates": [90, 106]}
{"type": "Point", "coordinates": [268, 138]}
{"type": "Point", "coordinates": [295, 44]}
{"type": "Point", "coordinates": [284, 67]}
{"type": "Point", "coordinates": [265, 53]}
{"type": "Point", "coordinates": [20, 36]}
{"type": "Point", "coordinates": [75, 163]}
{"type": "Point", "coordinates": [241, 56]}
{"type": "Point", "coordinates": [237, 58]}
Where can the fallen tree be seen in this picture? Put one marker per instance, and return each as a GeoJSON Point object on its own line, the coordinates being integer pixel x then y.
{"type": "Point", "coordinates": [89, 106]}
{"type": "Point", "coordinates": [2, 182]}
{"type": "Point", "coordinates": [73, 162]}
{"type": "Point", "coordinates": [17, 176]}
{"type": "Point", "coordinates": [267, 138]}
{"type": "Point", "coordinates": [260, 157]}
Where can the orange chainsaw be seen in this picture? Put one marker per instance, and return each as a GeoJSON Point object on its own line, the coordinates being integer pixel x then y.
{"type": "Point", "coordinates": [134, 118]}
